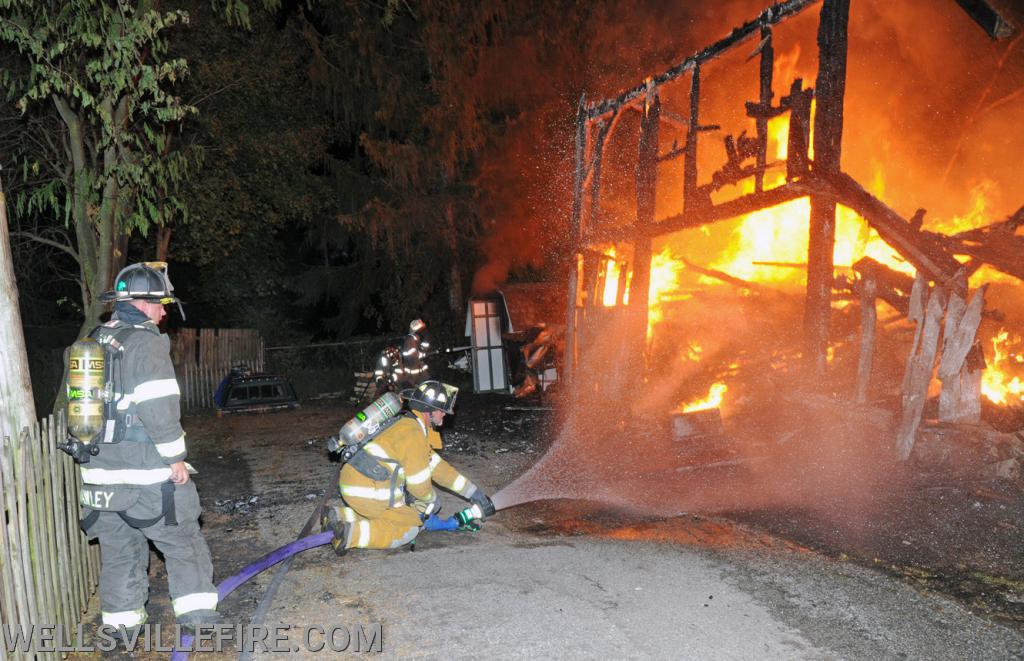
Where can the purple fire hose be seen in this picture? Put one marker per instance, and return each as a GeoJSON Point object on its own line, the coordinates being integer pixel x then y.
{"type": "Point", "coordinates": [228, 585]}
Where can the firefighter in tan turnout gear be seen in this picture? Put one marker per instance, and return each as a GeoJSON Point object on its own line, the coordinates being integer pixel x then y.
{"type": "Point", "coordinates": [389, 512]}
{"type": "Point", "coordinates": [137, 487]}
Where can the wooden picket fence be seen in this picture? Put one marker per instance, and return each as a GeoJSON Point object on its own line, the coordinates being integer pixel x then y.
{"type": "Point", "coordinates": [203, 356]}
{"type": "Point", "coordinates": [48, 570]}
{"type": "Point", "coordinates": [198, 383]}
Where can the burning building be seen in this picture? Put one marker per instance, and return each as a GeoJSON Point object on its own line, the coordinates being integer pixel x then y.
{"type": "Point", "coordinates": [716, 274]}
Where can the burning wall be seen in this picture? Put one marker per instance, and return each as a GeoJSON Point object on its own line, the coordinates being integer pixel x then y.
{"type": "Point", "coordinates": [724, 329]}
{"type": "Point", "coordinates": [769, 247]}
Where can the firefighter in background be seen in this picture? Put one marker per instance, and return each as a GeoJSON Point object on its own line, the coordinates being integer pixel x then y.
{"type": "Point", "coordinates": [414, 352]}
{"type": "Point", "coordinates": [137, 488]}
{"type": "Point", "coordinates": [388, 513]}
{"type": "Point", "coordinates": [387, 372]}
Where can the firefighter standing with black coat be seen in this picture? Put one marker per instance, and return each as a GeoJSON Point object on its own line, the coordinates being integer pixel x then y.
{"type": "Point", "coordinates": [137, 488]}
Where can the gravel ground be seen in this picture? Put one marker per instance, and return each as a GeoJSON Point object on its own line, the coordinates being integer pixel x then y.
{"type": "Point", "coordinates": [554, 579]}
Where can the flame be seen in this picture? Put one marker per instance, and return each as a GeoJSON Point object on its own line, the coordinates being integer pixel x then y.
{"type": "Point", "coordinates": [779, 234]}
{"type": "Point", "coordinates": [997, 384]}
{"type": "Point", "coordinates": [666, 271]}
{"type": "Point", "coordinates": [713, 399]}
{"type": "Point", "coordinates": [613, 270]}
{"type": "Point", "coordinates": [770, 246]}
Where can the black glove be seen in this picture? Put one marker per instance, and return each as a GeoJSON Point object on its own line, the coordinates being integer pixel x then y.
{"type": "Point", "coordinates": [485, 503]}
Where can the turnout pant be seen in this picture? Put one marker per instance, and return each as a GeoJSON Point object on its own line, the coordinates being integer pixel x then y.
{"type": "Point", "coordinates": [124, 552]}
{"type": "Point", "coordinates": [374, 525]}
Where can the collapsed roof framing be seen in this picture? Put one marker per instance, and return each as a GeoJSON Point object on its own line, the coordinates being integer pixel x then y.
{"type": "Point", "coordinates": [821, 180]}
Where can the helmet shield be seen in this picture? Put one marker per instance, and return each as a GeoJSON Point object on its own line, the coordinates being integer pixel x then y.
{"type": "Point", "coordinates": [431, 395]}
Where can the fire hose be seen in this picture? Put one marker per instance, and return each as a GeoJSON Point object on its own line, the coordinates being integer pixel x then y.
{"type": "Point", "coordinates": [228, 585]}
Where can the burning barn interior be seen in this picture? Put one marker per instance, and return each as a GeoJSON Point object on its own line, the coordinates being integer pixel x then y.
{"type": "Point", "coordinates": [737, 264]}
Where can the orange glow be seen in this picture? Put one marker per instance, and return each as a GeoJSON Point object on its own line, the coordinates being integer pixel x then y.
{"type": "Point", "coordinates": [713, 399]}
{"type": "Point", "coordinates": [779, 234]}
{"type": "Point", "coordinates": [666, 270]}
{"type": "Point", "coordinates": [613, 271]}
{"type": "Point", "coordinates": [997, 384]}
{"type": "Point", "coordinates": [770, 246]}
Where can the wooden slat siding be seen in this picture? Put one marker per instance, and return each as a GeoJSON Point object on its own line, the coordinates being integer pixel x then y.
{"type": "Point", "coordinates": [202, 357]}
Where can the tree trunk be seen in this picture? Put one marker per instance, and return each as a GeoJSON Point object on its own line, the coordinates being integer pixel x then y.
{"type": "Point", "coordinates": [15, 382]}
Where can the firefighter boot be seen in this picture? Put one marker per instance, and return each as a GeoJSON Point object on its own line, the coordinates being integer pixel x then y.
{"type": "Point", "coordinates": [332, 520]}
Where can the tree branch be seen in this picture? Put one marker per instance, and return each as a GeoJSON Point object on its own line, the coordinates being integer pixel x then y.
{"type": "Point", "coordinates": [49, 242]}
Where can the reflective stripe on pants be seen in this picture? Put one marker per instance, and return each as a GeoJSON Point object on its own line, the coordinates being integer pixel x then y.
{"type": "Point", "coordinates": [377, 527]}
{"type": "Point", "coordinates": [124, 552]}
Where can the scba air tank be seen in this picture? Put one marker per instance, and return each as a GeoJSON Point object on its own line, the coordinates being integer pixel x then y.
{"type": "Point", "coordinates": [85, 389]}
{"type": "Point", "coordinates": [369, 421]}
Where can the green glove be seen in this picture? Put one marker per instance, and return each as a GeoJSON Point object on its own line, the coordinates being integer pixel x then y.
{"type": "Point", "coordinates": [467, 520]}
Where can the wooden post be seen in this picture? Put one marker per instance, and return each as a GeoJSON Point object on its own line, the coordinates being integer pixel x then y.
{"type": "Point", "coordinates": [690, 150]}
{"type": "Point", "coordinates": [595, 176]}
{"type": "Point", "coordinates": [868, 317]}
{"type": "Point", "coordinates": [572, 266]}
{"type": "Point", "coordinates": [19, 409]}
{"type": "Point", "coordinates": [765, 99]}
{"type": "Point", "coordinates": [799, 103]}
{"type": "Point", "coordinates": [828, 133]}
{"type": "Point", "coordinates": [646, 188]}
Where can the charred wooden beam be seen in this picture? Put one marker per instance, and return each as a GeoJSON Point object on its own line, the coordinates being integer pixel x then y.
{"type": "Point", "coordinates": [716, 213]}
{"type": "Point", "coordinates": [722, 276]}
{"type": "Point", "coordinates": [1006, 255]}
{"type": "Point", "coordinates": [596, 150]}
{"type": "Point", "coordinates": [646, 188]}
{"type": "Point", "coordinates": [997, 245]}
{"type": "Point", "coordinates": [737, 150]}
{"type": "Point", "coordinates": [891, 286]}
{"type": "Point", "coordinates": [926, 254]}
{"type": "Point", "coordinates": [828, 136]}
{"type": "Point", "coordinates": [770, 16]}
{"type": "Point", "coordinates": [798, 101]}
{"type": "Point", "coordinates": [595, 179]}
{"type": "Point", "coordinates": [726, 210]}
{"type": "Point", "coordinates": [988, 18]}
{"type": "Point", "coordinates": [690, 164]}
{"type": "Point", "coordinates": [572, 266]}
{"type": "Point", "coordinates": [767, 66]}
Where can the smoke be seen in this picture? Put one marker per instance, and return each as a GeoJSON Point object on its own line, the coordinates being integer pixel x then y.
{"type": "Point", "coordinates": [786, 448]}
